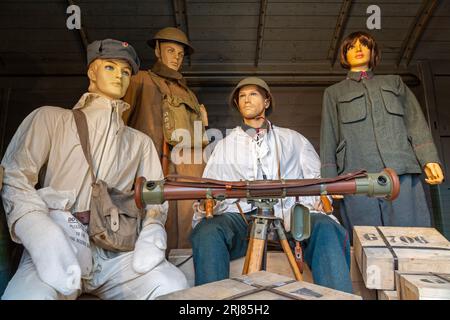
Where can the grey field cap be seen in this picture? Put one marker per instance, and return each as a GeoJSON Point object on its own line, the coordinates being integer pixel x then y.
{"type": "Point", "coordinates": [113, 49]}
{"type": "Point", "coordinates": [251, 81]}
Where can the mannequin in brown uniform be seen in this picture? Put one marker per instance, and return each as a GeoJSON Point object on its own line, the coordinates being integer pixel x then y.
{"type": "Point", "coordinates": [153, 96]}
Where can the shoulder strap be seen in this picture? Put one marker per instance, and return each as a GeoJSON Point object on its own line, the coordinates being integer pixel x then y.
{"type": "Point", "coordinates": [160, 83]}
{"type": "Point", "coordinates": [83, 133]}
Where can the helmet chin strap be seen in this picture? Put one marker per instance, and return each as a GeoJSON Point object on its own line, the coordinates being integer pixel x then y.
{"type": "Point", "coordinates": [260, 116]}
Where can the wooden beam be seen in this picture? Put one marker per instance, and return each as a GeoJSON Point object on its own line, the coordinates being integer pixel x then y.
{"type": "Point", "coordinates": [426, 74]}
{"type": "Point", "coordinates": [261, 27]}
{"type": "Point", "coordinates": [337, 34]}
{"type": "Point", "coordinates": [416, 30]}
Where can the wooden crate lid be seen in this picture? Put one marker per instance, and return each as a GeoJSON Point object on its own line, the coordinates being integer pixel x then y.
{"type": "Point", "coordinates": [402, 243]}
{"type": "Point", "coordinates": [400, 237]}
{"type": "Point", "coordinates": [260, 285]}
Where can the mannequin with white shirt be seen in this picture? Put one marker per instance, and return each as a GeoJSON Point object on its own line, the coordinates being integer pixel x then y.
{"type": "Point", "coordinates": [258, 150]}
{"type": "Point", "coordinates": [59, 262]}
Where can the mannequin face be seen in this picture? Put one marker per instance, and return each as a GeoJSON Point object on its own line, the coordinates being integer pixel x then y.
{"type": "Point", "coordinates": [358, 57]}
{"type": "Point", "coordinates": [252, 103]}
{"type": "Point", "coordinates": [109, 77]}
{"type": "Point", "coordinates": [170, 54]}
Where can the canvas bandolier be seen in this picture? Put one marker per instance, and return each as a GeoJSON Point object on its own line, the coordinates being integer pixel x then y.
{"type": "Point", "coordinates": [181, 112]}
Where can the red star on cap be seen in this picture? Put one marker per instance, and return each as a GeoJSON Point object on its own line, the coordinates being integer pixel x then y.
{"type": "Point", "coordinates": [125, 44]}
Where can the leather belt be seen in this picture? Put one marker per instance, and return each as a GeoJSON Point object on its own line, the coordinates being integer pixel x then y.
{"type": "Point", "coordinates": [83, 216]}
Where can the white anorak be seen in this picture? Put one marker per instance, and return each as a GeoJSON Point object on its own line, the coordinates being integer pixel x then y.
{"type": "Point", "coordinates": [48, 136]}
{"type": "Point", "coordinates": [239, 156]}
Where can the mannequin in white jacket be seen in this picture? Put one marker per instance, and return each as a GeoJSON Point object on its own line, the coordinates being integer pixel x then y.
{"type": "Point", "coordinates": [59, 262]}
{"type": "Point", "coordinates": [258, 150]}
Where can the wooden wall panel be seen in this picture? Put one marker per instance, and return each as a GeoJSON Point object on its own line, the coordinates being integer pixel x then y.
{"type": "Point", "coordinates": [442, 85]}
{"type": "Point", "coordinates": [446, 155]}
{"type": "Point", "coordinates": [32, 93]}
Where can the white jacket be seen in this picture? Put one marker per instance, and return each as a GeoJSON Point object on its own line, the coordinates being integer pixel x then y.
{"type": "Point", "coordinates": [236, 158]}
{"type": "Point", "coordinates": [49, 136]}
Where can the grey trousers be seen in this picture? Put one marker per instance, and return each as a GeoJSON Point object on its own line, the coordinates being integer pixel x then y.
{"type": "Point", "coordinates": [410, 209]}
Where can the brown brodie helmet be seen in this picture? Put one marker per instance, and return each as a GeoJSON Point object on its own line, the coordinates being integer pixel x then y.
{"type": "Point", "coordinates": [251, 81]}
{"type": "Point", "coordinates": [171, 34]}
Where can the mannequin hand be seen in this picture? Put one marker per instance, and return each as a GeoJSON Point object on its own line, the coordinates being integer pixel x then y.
{"type": "Point", "coordinates": [434, 174]}
{"type": "Point", "coordinates": [150, 248]}
{"type": "Point", "coordinates": [51, 252]}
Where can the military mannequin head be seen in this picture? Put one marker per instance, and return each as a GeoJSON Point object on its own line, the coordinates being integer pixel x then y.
{"type": "Point", "coordinates": [171, 54]}
{"type": "Point", "coordinates": [110, 66]}
{"type": "Point", "coordinates": [253, 102]}
{"type": "Point", "coordinates": [171, 45]}
{"type": "Point", "coordinates": [359, 52]}
{"type": "Point", "coordinates": [109, 77]}
{"type": "Point", "coordinates": [253, 99]}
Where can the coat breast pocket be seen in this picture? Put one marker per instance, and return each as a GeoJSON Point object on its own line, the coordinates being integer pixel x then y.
{"type": "Point", "coordinates": [392, 100]}
{"type": "Point", "coordinates": [352, 107]}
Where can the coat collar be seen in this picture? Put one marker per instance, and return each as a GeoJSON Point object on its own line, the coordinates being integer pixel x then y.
{"type": "Point", "coordinates": [358, 75]}
{"type": "Point", "coordinates": [164, 71]}
{"type": "Point", "coordinates": [88, 98]}
{"type": "Point", "coordinates": [243, 129]}
{"type": "Point", "coordinates": [253, 131]}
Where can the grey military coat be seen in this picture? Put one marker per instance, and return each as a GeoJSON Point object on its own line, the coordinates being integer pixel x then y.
{"type": "Point", "coordinates": [373, 122]}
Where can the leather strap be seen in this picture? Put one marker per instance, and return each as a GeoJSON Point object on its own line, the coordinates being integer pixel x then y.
{"type": "Point", "coordinates": [179, 180]}
{"type": "Point", "coordinates": [241, 212]}
{"type": "Point", "coordinates": [259, 288]}
{"type": "Point", "coordinates": [83, 133]}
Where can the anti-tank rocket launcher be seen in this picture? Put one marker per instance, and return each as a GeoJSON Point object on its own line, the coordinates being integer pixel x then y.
{"type": "Point", "coordinates": [384, 184]}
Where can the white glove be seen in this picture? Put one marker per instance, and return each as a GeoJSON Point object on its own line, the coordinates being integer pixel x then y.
{"type": "Point", "coordinates": [52, 254]}
{"type": "Point", "coordinates": [150, 248]}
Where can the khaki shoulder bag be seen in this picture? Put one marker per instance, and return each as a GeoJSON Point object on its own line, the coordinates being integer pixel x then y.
{"type": "Point", "coordinates": [180, 113]}
{"type": "Point", "coordinates": [115, 221]}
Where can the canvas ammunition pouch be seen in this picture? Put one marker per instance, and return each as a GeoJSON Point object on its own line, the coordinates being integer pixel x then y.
{"type": "Point", "coordinates": [184, 119]}
{"type": "Point", "coordinates": [114, 219]}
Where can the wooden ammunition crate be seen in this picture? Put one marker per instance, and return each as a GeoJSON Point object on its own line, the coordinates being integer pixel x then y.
{"type": "Point", "coordinates": [423, 286]}
{"type": "Point", "coordinates": [387, 295]}
{"type": "Point", "coordinates": [277, 262]}
{"type": "Point", "coordinates": [359, 287]}
{"type": "Point", "coordinates": [380, 251]}
{"type": "Point", "coordinates": [261, 285]}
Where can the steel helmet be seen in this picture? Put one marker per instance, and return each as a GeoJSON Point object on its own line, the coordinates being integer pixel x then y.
{"type": "Point", "coordinates": [174, 35]}
{"type": "Point", "coordinates": [251, 81]}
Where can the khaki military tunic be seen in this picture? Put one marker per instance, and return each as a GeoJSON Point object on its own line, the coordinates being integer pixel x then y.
{"type": "Point", "coordinates": [146, 115]}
